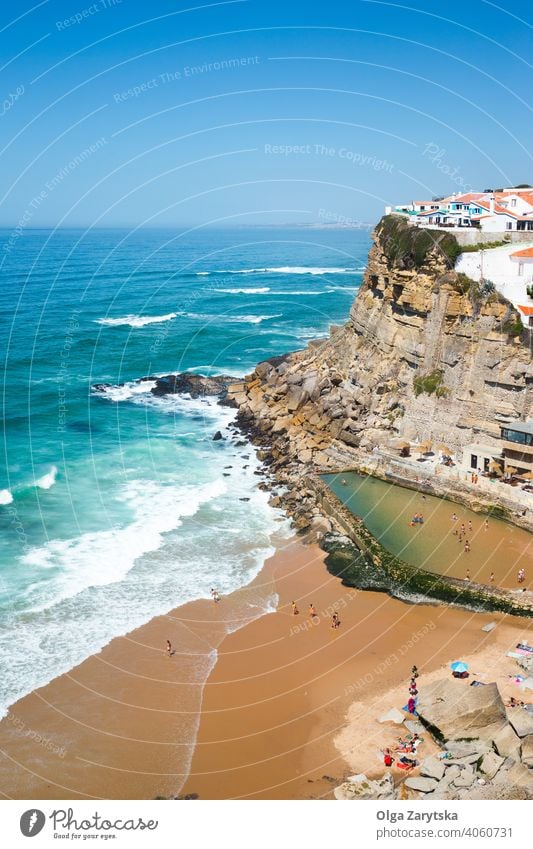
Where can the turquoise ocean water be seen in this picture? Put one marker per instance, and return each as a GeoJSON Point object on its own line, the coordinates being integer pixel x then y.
{"type": "Point", "coordinates": [118, 507]}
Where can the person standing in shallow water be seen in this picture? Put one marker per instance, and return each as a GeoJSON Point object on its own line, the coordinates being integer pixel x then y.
{"type": "Point", "coordinates": [169, 648]}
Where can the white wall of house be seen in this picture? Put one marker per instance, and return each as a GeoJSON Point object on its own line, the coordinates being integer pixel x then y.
{"type": "Point", "coordinates": [497, 223]}
{"type": "Point", "coordinates": [495, 264]}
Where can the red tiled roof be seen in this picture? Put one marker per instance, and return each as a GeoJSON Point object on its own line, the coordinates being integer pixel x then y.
{"type": "Point", "coordinates": [525, 310]}
{"type": "Point", "coordinates": [526, 253]}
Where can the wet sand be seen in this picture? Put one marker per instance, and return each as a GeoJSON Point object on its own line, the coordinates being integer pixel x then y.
{"type": "Point", "coordinates": [120, 725]}
{"type": "Point", "coordinates": [280, 693]}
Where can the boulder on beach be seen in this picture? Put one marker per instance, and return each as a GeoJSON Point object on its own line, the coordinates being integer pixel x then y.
{"type": "Point", "coordinates": [361, 787]}
{"type": "Point", "coordinates": [507, 743]}
{"type": "Point", "coordinates": [432, 767]}
{"type": "Point", "coordinates": [527, 750]}
{"type": "Point", "coordinates": [454, 710]}
{"type": "Point", "coordinates": [490, 764]}
{"type": "Point", "coordinates": [423, 785]}
{"type": "Point", "coordinates": [521, 720]}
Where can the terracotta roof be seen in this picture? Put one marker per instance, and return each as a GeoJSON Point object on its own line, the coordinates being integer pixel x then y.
{"type": "Point", "coordinates": [498, 210]}
{"type": "Point", "coordinates": [525, 310]}
{"type": "Point", "coordinates": [526, 253]}
{"type": "Point", "coordinates": [467, 198]}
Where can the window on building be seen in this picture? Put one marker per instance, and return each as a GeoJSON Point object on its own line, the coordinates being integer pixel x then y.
{"type": "Point", "coordinates": [509, 225]}
{"type": "Point", "coordinates": [473, 461]}
{"type": "Point", "coordinates": [517, 436]}
{"type": "Point", "coordinates": [486, 464]}
{"type": "Point", "coordinates": [520, 269]}
{"type": "Point", "coordinates": [513, 201]}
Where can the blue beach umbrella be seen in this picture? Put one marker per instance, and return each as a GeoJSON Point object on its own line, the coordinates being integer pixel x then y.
{"type": "Point", "coordinates": [459, 666]}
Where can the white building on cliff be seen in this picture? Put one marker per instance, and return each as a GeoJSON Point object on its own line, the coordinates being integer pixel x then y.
{"type": "Point", "coordinates": [502, 211]}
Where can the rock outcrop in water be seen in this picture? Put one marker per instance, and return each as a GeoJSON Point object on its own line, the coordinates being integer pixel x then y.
{"type": "Point", "coordinates": [184, 383]}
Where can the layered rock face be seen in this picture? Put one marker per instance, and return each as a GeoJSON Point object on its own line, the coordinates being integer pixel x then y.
{"type": "Point", "coordinates": [425, 354]}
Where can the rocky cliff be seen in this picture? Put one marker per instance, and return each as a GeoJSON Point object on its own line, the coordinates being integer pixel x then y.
{"type": "Point", "coordinates": [426, 354]}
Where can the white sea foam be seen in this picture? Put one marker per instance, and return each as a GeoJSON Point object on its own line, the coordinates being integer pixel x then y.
{"type": "Point", "coordinates": [233, 319]}
{"type": "Point", "coordinates": [127, 391]}
{"type": "Point", "coordinates": [135, 320]}
{"type": "Point", "coordinates": [48, 480]}
{"type": "Point", "coordinates": [259, 290]}
{"type": "Point", "coordinates": [104, 557]}
{"type": "Point", "coordinates": [5, 496]}
{"type": "Point", "coordinates": [283, 269]}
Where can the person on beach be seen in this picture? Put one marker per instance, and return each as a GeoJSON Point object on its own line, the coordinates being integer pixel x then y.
{"type": "Point", "coordinates": [388, 760]}
{"type": "Point", "coordinates": [467, 546]}
{"type": "Point", "coordinates": [294, 608]}
{"type": "Point", "coordinates": [214, 595]}
{"type": "Point", "coordinates": [335, 621]}
{"type": "Point", "coordinates": [411, 705]}
{"type": "Point", "coordinates": [169, 648]}
{"type": "Point", "coordinates": [470, 526]}
{"type": "Point", "coordinates": [454, 517]}
{"type": "Point", "coordinates": [463, 530]}
{"type": "Point", "coordinates": [486, 523]}
{"type": "Point", "coordinates": [311, 611]}
{"type": "Point", "coordinates": [521, 576]}
{"type": "Point", "coordinates": [491, 579]}
{"type": "Point", "coordinates": [414, 672]}
{"type": "Point", "coordinates": [468, 574]}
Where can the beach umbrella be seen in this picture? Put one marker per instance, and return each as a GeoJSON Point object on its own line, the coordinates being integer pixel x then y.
{"type": "Point", "coordinates": [511, 470]}
{"type": "Point", "coordinates": [528, 476]}
{"type": "Point", "coordinates": [423, 448]}
{"type": "Point", "coordinates": [444, 449]}
{"type": "Point", "coordinates": [459, 666]}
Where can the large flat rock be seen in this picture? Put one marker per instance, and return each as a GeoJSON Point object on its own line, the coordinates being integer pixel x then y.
{"type": "Point", "coordinates": [527, 750]}
{"type": "Point", "coordinates": [507, 743]}
{"type": "Point", "coordinates": [456, 710]}
{"type": "Point", "coordinates": [490, 764]}
{"type": "Point", "coordinates": [361, 787]}
{"type": "Point", "coordinates": [423, 785]}
{"type": "Point", "coordinates": [521, 720]}
{"type": "Point", "coordinates": [432, 767]}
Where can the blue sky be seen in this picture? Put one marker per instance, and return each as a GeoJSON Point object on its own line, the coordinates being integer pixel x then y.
{"type": "Point", "coordinates": [170, 113]}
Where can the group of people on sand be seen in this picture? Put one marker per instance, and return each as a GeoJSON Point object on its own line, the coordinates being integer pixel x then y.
{"type": "Point", "coordinates": [335, 621]}
{"type": "Point", "coordinates": [405, 750]}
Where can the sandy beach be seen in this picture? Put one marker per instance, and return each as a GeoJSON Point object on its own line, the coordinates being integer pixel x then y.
{"type": "Point", "coordinates": [267, 704]}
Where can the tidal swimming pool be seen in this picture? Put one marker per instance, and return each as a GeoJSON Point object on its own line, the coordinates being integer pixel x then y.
{"type": "Point", "coordinates": [388, 510]}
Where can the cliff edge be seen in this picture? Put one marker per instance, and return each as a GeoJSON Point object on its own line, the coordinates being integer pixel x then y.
{"type": "Point", "coordinates": [427, 354]}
